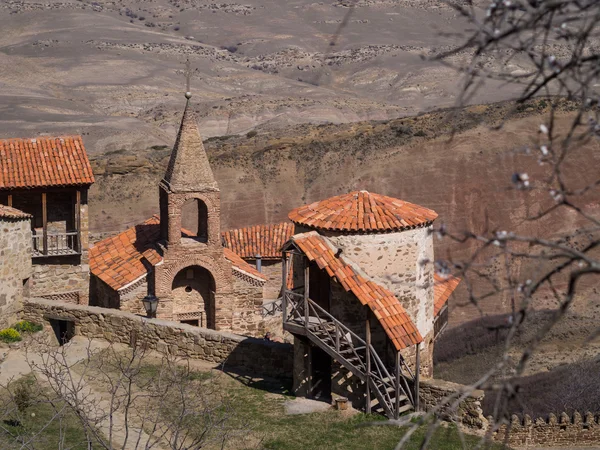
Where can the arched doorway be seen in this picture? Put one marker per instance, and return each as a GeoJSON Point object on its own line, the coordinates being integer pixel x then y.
{"type": "Point", "coordinates": [193, 292]}
{"type": "Point", "coordinates": [194, 219]}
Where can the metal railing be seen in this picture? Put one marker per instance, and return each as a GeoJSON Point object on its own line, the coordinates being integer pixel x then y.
{"type": "Point", "coordinates": [330, 332]}
{"type": "Point", "coordinates": [56, 244]}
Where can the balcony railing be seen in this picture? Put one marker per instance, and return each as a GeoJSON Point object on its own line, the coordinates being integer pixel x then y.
{"type": "Point", "coordinates": [56, 244]}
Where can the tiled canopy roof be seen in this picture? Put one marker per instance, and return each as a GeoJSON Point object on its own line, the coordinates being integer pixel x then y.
{"type": "Point", "coordinates": [442, 289]}
{"type": "Point", "coordinates": [241, 265]}
{"type": "Point", "coordinates": [125, 258]}
{"type": "Point", "coordinates": [362, 211]}
{"type": "Point", "coordinates": [8, 212]}
{"type": "Point", "coordinates": [44, 161]}
{"type": "Point", "coordinates": [122, 259]}
{"type": "Point", "coordinates": [385, 306]}
{"type": "Point", "coordinates": [263, 240]}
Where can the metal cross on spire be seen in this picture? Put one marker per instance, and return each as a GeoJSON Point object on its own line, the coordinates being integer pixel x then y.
{"type": "Point", "coordinates": [188, 76]}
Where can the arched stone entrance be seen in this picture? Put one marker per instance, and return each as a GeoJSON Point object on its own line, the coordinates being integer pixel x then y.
{"type": "Point", "coordinates": [193, 293]}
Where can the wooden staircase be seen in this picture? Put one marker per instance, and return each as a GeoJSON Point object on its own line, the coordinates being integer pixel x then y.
{"type": "Point", "coordinates": [393, 395]}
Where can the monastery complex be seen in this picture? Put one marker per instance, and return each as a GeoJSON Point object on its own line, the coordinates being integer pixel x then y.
{"type": "Point", "coordinates": [348, 280]}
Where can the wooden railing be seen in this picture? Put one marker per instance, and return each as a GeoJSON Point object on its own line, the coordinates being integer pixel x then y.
{"type": "Point", "coordinates": [273, 308]}
{"type": "Point", "coordinates": [440, 322]}
{"type": "Point", "coordinates": [56, 244]}
{"type": "Point", "coordinates": [393, 392]}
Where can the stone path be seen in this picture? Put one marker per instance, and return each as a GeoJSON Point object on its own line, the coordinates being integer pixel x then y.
{"type": "Point", "coordinates": [17, 364]}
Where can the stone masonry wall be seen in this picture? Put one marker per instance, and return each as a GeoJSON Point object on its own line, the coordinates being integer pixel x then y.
{"type": "Point", "coordinates": [247, 316]}
{"type": "Point", "coordinates": [262, 358]}
{"type": "Point", "coordinates": [433, 393]}
{"type": "Point", "coordinates": [563, 431]}
{"type": "Point", "coordinates": [272, 269]}
{"type": "Point", "coordinates": [61, 275]}
{"type": "Point", "coordinates": [15, 267]}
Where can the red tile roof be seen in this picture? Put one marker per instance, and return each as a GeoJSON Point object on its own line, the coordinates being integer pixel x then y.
{"type": "Point", "coordinates": [123, 259]}
{"type": "Point", "coordinates": [362, 211]}
{"type": "Point", "coordinates": [263, 240]}
{"type": "Point", "coordinates": [8, 212]}
{"type": "Point", "coordinates": [241, 265]}
{"type": "Point", "coordinates": [44, 161]}
{"type": "Point", "coordinates": [442, 289]}
{"type": "Point", "coordinates": [385, 306]}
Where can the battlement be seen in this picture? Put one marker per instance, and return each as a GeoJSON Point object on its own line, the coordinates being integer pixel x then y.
{"type": "Point", "coordinates": [554, 430]}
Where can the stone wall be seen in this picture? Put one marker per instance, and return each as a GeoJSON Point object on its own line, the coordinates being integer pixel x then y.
{"type": "Point", "coordinates": [64, 275]}
{"type": "Point", "coordinates": [15, 267]}
{"type": "Point", "coordinates": [562, 431]}
{"type": "Point", "coordinates": [247, 318]}
{"type": "Point", "coordinates": [434, 393]}
{"type": "Point", "coordinates": [272, 270]}
{"type": "Point", "coordinates": [260, 357]}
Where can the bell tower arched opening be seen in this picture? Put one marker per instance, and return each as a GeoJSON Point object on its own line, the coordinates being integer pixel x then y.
{"type": "Point", "coordinates": [193, 292]}
{"type": "Point", "coordinates": [194, 219]}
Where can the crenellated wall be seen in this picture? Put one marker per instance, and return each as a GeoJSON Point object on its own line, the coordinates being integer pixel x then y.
{"type": "Point", "coordinates": [554, 431]}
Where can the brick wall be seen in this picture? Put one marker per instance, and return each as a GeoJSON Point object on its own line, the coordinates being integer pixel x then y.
{"type": "Point", "coordinates": [15, 267]}
{"type": "Point", "coordinates": [562, 431]}
{"type": "Point", "coordinates": [260, 357]}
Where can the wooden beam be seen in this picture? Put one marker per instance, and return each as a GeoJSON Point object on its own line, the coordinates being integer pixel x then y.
{"type": "Point", "coordinates": [78, 218]}
{"type": "Point", "coordinates": [10, 201]}
{"type": "Point", "coordinates": [306, 287]}
{"type": "Point", "coordinates": [309, 371]}
{"type": "Point", "coordinates": [284, 286]}
{"type": "Point", "coordinates": [398, 379]}
{"type": "Point", "coordinates": [417, 372]}
{"type": "Point", "coordinates": [45, 222]}
{"type": "Point", "coordinates": [368, 357]}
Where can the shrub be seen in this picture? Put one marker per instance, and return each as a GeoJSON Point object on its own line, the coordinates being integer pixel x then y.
{"type": "Point", "coordinates": [25, 326]}
{"type": "Point", "coordinates": [420, 133]}
{"type": "Point", "coordinates": [23, 396]}
{"type": "Point", "coordinates": [251, 134]}
{"type": "Point", "coordinates": [10, 335]}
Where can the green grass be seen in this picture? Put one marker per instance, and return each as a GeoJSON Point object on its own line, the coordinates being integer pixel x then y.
{"type": "Point", "coordinates": [264, 413]}
{"type": "Point", "coordinates": [31, 420]}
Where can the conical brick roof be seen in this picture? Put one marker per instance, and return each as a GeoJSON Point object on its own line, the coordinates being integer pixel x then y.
{"type": "Point", "coordinates": [189, 169]}
{"type": "Point", "coordinates": [362, 211]}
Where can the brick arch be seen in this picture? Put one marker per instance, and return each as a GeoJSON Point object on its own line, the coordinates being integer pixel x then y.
{"type": "Point", "coordinates": [204, 197]}
{"type": "Point", "coordinates": [216, 270]}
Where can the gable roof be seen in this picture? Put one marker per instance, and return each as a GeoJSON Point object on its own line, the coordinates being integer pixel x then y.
{"type": "Point", "coordinates": [443, 287]}
{"type": "Point", "coordinates": [362, 211]}
{"type": "Point", "coordinates": [8, 212]}
{"type": "Point", "coordinates": [263, 240]}
{"type": "Point", "coordinates": [127, 257]}
{"type": "Point", "coordinates": [43, 162]}
{"type": "Point", "coordinates": [188, 168]}
{"type": "Point", "coordinates": [385, 306]}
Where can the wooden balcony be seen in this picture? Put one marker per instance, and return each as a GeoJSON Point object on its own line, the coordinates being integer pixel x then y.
{"type": "Point", "coordinates": [56, 244]}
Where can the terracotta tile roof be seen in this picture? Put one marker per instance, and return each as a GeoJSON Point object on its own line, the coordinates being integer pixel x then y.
{"type": "Point", "coordinates": [442, 289]}
{"type": "Point", "coordinates": [44, 161]}
{"type": "Point", "coordinates": [123, 259]}
{"type": "Point", "coordinates": [264, 240]}
{"type": "Point", "coordinates": [362, 211]}
{"type": "Point", "coordinates": [385, 306]}
{"type": "Point", "coordinates": [241, 265]}
{"type": "Point", "coordinates": [8, 212]}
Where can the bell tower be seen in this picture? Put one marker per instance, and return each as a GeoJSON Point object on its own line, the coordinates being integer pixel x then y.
{"type": "Point", "coordinates": [189, 194]}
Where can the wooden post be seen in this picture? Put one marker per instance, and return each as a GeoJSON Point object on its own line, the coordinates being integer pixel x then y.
{"type": "Point", "coordinates": [45, 223]}
{"type": "Point", "coordinates": [78, 218]}
{"type": "Point", "coordinates": [306, 286]}
{"type": "Point", "coordinates": [368, 355]}
{"type": "Point", "coordinates": [284, 287]}
{"type": "Point", "coordinates": [309, 370]}
{"type": "Point", "coordinates": [398, 378]}
{"type": "Point", "coordinates": [10, 203]}
{"type": "Point", "coordinates": [417, 371]}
